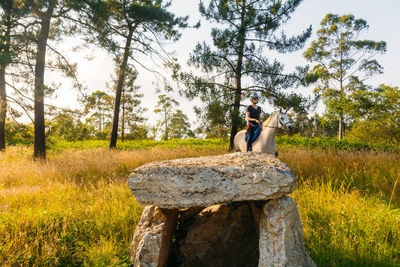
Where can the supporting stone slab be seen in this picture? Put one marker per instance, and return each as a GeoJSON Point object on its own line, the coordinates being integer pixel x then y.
{"type": "Point", "coordinates": [152, 239]}
{"type": "Point", "coordinates": [281, 235]}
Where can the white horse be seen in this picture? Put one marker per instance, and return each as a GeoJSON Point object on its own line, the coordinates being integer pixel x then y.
{"type": "Point", "coordinates": [266, 141]}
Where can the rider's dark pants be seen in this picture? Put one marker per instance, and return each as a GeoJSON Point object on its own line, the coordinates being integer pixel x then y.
{"type": "Point", "coordinates": [250, 134]}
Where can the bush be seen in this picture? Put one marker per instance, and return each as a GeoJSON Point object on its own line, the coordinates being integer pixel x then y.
{"type": "Point", "coordinates": [332, 143]}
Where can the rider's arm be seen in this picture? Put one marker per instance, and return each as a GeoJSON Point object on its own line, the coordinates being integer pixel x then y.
{"type": "Point", "coordinates": [248, 117]}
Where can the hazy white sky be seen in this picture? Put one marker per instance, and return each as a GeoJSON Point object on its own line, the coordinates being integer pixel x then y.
{"type": "Point", "coordinates": [382, 16]}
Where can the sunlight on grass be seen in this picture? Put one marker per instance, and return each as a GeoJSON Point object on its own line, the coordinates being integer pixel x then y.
{"type": "Point", "coordinates": [343, 228]}
{"type": "Point", "coordinates": [76, 209]}
{"type": "Point", "coordinates": [371, 172]}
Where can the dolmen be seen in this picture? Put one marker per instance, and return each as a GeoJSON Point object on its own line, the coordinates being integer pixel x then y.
{"type": "Point", "coordinates": [226, 210]}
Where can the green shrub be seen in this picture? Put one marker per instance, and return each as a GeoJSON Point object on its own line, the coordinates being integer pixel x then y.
{"type": "Point", "coordinates": [331, 143]}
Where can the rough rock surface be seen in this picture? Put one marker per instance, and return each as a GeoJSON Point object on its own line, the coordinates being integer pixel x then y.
{"type": "Point", "coordinates": [152, 237]}
{"type": "Point", "coordinates": [281, 235]}
{"type": "Point", "coordinates": [219, 236]}
{"type": "Point", "coordinates": [206, 181]}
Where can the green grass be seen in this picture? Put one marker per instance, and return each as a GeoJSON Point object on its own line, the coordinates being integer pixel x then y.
{"type": "Point", "coordinates": [282, 142]}
{"type": "Point", "coordinates": [346, 228]}
{"type": "Point", "coordinates": [332, 143]}
{"type": "Point", "coordinates": [64, 225]}
{"type": "Point", "coordinates": [76, 209]}
{"type": "Point", "coordinates": [349, 204]}
{"type": "Point", "coordinates": [60, 145]}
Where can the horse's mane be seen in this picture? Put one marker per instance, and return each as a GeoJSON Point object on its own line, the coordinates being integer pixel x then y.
{"type": "Point", "coordinates": [270, 118]}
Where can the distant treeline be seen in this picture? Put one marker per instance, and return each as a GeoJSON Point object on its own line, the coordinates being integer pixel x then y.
{"type": "Point", "coordinates": [222, 74]}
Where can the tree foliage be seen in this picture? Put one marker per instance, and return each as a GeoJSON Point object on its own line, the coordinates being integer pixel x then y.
{"type": "Point", "coordinates": [180, 126]}
{"type": "Point", "coordinates": [132, 112]}
{"type": "Point", "coordinates": [99, 110]}
{"type": "Point", "coordinates": [377, 115]}
{"type": "Point", "coordinates": [214, 119]}
{"type": "Point", "coordinates": [343, 62]}
{"type": "Point", "coordinates": [69, 127]}
{"type": "Point", "coordinates": [128, 29]}
{"type": "Point", "coordinates": [235, 65]}
{"type": "Point", "coordinates": [165, 107]}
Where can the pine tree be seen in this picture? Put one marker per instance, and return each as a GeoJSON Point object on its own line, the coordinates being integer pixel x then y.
{"type": "Point", "coordinates": [180, 126]}
{"type": "Point", "coordinates": [237, 64]}
{"type": "Point", "coordinates": [128, 28]}
{"type": "Point", "coordinates": [52, 18]}
{"type": "Point", "coordinates": [132, 112]}
{"type": "Point", "coordinates": [99, 107]}
{"type": "Point", "coordinates": [10, 15]}
{"type": "Point", "coordinates": [165, 107]}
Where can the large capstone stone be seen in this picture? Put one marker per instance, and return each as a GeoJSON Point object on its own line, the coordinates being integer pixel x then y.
{"type": "Point", "coordinates": [206, 181]}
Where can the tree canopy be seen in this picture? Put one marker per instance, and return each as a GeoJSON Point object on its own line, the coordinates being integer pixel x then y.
{"type": "Point", "coordinates": [236, 63]}
{"type": "Point", "coordinates": [343, 62]}
{"type": "Point", "coordinates": [377, 114]}
{"type": "Point", "coordinates": [128, 29]}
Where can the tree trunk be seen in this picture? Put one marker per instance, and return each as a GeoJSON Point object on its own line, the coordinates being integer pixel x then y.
{"type": "Point", "coordinates": [40, 137]}
{"type": "Point", "coordinates": [3, 93]}
{"type": "Point", "coordinates": [166, 127]}
{"type": "Point", "coordinates": [235, 114]}
{"type": "Point", "coordinates": [123, 118]}
{"type": "Point", "coordinates": [340, 132]}
{"type": "Point", "coordinates": [114, 133]}
{"type": "Point", "coordinates": [238, 79]}
{"type": "Point", "coordinates": [3, 107]}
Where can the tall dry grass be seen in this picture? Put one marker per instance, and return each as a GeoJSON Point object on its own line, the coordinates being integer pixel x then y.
{"type": "Point", "coordinates": [373, 173]}
{"type": "Point", "coordinates": [75, 208]}
{"type": "Point", "coordinates": [349, 204]}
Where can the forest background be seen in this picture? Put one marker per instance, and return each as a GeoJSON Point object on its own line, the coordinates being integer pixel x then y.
{"type": "Point", "coordinates": [86, 101]}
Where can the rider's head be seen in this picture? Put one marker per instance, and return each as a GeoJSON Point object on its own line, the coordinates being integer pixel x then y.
{"type": "Point", "coordinates": [254, 97]}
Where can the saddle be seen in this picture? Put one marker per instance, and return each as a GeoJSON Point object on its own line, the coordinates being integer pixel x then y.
{"type": "Point", "coordinates": [256, 134]}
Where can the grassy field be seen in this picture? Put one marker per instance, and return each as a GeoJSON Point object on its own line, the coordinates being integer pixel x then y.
{"type": "Point", "coordinates": [349, 204]}
{"type": "Point", "coordinates": [75, 209]}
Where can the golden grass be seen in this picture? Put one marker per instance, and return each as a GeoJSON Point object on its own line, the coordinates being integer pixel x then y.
{"type": "Point", "coordinates": [348, 203]}
{"type": "Point", "coordinates": [344, 228]}
{"type": "Point", "coordinates": [82, 166]}
{"type": "Point", "coordinates": [75, 208]}
{"type": "Point", "coordinates": [374, 173]}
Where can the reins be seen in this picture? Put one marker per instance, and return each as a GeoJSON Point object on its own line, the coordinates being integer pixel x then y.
{"type": "Point", "coordinates": [277, 124]}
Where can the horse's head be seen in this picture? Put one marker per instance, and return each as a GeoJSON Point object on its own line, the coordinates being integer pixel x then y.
{"type": "Point", "coordinates": [284, 121]}
{"type": "Point", "coordinates": [281, 121]}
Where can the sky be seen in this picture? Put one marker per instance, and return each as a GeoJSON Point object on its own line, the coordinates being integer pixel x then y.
{"type": "Point", "coordinates": [382, 17]}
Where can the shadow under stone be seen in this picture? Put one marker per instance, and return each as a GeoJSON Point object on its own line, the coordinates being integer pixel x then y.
{"type": "Point", "coordinates": [220, 235]}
